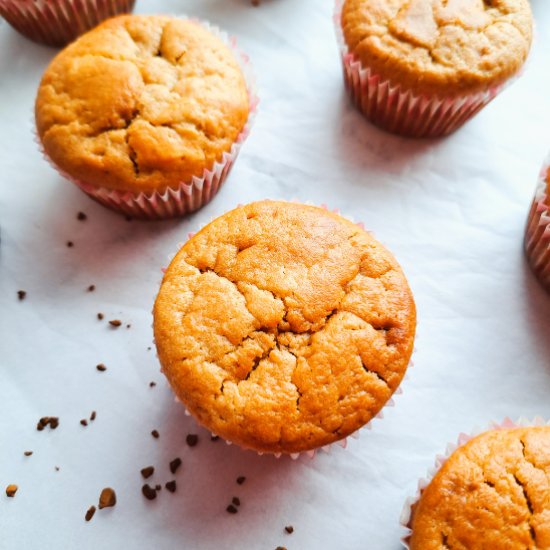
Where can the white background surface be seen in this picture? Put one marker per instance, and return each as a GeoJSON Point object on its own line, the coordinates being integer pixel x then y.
{"type": "Point", "coordinates": [452, 211]}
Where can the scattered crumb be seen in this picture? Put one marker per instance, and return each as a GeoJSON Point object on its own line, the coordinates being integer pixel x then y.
{"type": "Point", "coordinates": [255, 3]}
{"type": "Point", "coordinates": [57, 468]}
{"type": "Point", "coordinates": [148, 492]}
{"type": "Point", "coordinates": [84, 422]}
{"type": "Point", "coordinates": [171, 486]}
{"type": "Point", "coordinates": [236, 501]}
{"type": "Point", "coordinates": [21, 294]}
{"type": "Point", "coordinates": [107, 499]}
{"type": "Point", "coordinates": [90, 513]}
{"type": "Point", "coordinates": [231, 509]}
{"type": "Point", "coordinates": [241, 480]}
{"type": "Point", "coordinates": [115, 323]}
{"type": "Point", "coordinates": [27, 453]}
{"type": "Point", "coordinates": [214, 437]}
{"type": "Point", "coordinates": [128, 325]}
{"type": "Point", "coordinates": [192, 439]}
{"type": "Point", "coordinates": [280, 548]}
{"type": "Point", "coordinates": [289, 529]}
{"type": "Point", "coordinates": [152, 384]}
{"type": "Point", "coordinates": [157, 487]}
{"type": "Point", "coordinates": [100, 316]}
{"type": "Point", "coordinates": [70, 244]}
{"type": "Point", "coordinates": [175, 464]}
{"type": "Point", "coordinates": [51, 421]}
{"type": "Point", "coordinates": [91, 288]}
{"type": "Point", "coordinates": [155, 434]}
{"type": "Point", "coordinates": [11, 490]}
{"type": "Point", "coordinates": [149, 348]}
{"type": "Point", "coordinates": [101, 367]}
{"type": "Point", "coordinates": [81, 217]}
{"type": "Point", "coordinates": [147, 471]}
{"type": "Point", "coordinates": [93, 415]}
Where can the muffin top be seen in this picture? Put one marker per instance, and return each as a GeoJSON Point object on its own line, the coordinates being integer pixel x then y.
{"type": "Point", "coordinates": [493, 492]}
{"type": "Point", "coordinates": [441, 47]}
{"type": "Point", "coordinates": [141, 103]}
{"type": "Point", "coordinates": [284, 327]}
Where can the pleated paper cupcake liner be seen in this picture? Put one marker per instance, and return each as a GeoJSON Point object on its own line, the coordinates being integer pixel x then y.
{"type": "Point", "coordinates": [537, 232]}
{"type": "Point", "coordinates": [399, 110]}
{"type": "Point", "coordinates": [326, 448]}
{"type": "Point", "coordinates": [463, 438]}
{"type": "Point", "coordinates": [58, 22]}
{"type": "Point", "coordinates": [188, 196]}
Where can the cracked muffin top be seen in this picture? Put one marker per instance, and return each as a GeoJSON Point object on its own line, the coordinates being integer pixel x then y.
{"type": "Point", "coordinates": [441, 47]}
{"type": "Point", "coordinates": [141, 103]}
{"type": "Point", "coordinates": [284, 327]}
{"type": "Point", "coordinates": [493, 492]}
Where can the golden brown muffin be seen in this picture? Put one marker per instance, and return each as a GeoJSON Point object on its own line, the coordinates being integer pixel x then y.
{"type": "Point", "coordinates": [141, 103]}
{"type": "Point", "coordinates": [492, 493]}
{"type": "Point", "coordinates": [439, 47]}
{"type": "Point", "coordinates": [284, 327]}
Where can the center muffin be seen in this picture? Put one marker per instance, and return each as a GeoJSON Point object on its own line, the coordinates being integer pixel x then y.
{"type": "Point", "coordinates": [284, 327]}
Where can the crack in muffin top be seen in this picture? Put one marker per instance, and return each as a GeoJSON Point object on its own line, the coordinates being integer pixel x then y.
{"type": "Point", "coordinates": [284, 327]}
{"type": "Point", "coordinates": [141, 103]}
{"type": "Point", "coordinates": [441, 47]}
{"type": "Point", "coordinates": [493, 492]}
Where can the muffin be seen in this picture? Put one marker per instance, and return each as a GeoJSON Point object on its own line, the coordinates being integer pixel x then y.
{"type": "Point", "coordinates": [493, 492]}
{"type": "Point", "coordinates": [145, 113]}
{"type": "Point", "coordinates": [422, 68]}
{"type": "Point", "coordinates": [284, 327]}
{"type": "Point", "coordinates": [58, 22]}
{"type": "Point", "coordinates": [537, 234]}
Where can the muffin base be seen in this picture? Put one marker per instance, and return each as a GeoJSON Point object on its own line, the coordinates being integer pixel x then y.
{"type": "Point", "coordinates": [399, 110]}
{"type": "Point", "coordinates": [537, 232]}
{"type": "Point", "coordinates": [406, 514]}
{"type": "Point", "coordinates": [58, 22]}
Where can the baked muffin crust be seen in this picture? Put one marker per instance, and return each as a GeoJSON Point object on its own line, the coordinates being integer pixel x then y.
{"type": "Point", "coordinates": [493, 492]}
{"type": "Point", "coordinates": [441, 47]}
{"type": "Point", "coordinates": [141, 103]}
{"type": "Point", "coordinates": [284, 327]}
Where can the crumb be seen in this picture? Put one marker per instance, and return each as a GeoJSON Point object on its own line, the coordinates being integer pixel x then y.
{"type": "Point", "coordinates": [21, 294]}
{"type": "Point", "coordinates": [148, 492]}
{"type": "Point", "coordinates": [115, 323]}
{"type": "Point", "coordinates": [192, 440]}
{"type": "Point", "coordinates": [81, 217]}
{"type": "Point", "coordinates": [101, 367]}
{"type": "Point", "coordinates": [157, 487]}
{"type": "Point", "coordinates": [128, 325]}
{"type": "Point", "coordinates": [11, 490]}
{"type": "Point", "coordinates": [255, 3]}
{"type": "Point", "coordinates": [149, 348]}
{"type": "Point", "coordinates": [84, 422]}
{"type": "Point", "coordinates": [147, 471]}
{"type": "Point", "coordinates": [155, 434]}
{"type": "Point", "coordinates": [280, 548]}
{"type": "Point", "coordinates": [70, 244]}
{"type": "Point", "coordinates": [93, 415]}
{"type": "Point", "coordinates": [91, 288]}
{"type": "Point", "coordinates": [107, 499]}
{"type": "Point", "coordinates": [236, 501]}
{"type": "Point", "coordinates": [241, 480]}
{"type": "Point", "coordinates": [27, 453]}
{"type": "Point", "coordinates": [152, 384]}
{"type": "Point", "coordinates": [51, 421]}
{"type": "Point", "coordinates": [289, 529]}
{"type": "Point", "coordinates": [231, 509]}
{"type": "Point", "coordinates": [100, 316]}
{"type": "Point", "coordinates": [175, 464]}
{"type": "Point", "coordinates": [90, 513]}
{"type": "Point", "coordinates": [57, 468]}
{"type": "Point", "coordinates": [171, 486]}
{"type": "Point", "coordinates": [214, 437]}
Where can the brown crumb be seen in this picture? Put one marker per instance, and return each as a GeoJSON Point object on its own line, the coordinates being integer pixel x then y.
{"type": "Point", "coordinates": [27, 453]}
{"type": "Point", "coordinates": [101, 367]}
{"type": "Point", "coordinates": [21, 294]}
{"type": "Point", "coordinates": [155, 434]}
{"type": "Point", "coordinates": [147, 472]}
{"type": "Point", "coordinates": [171, 486]}
{"type": "Point", "coordinates": [280, 548]}
{"type": "Point", "coordinates": [107, 499]}
{"type": "Point", "coordinates": [241, 480]}
{"type": "Point", "coordinates": [152, 384]}
{"type": "Point", "coordinates": [175, 464]}
{"type": "Point", "coordinates": [214, 437]}
{"type": "Point", "coordinates": [91, 288]}
{"type": "Point", "coordinates": [51, 421]}
{"type": "Point", "coordinates": [84, 422]}
{"type": "Point", "coordinates": [115, 323]}
{"type": "Point", "coordinates": [289, 529]}
{"type": "Point", "coordinates": [128, 325]}
{"type": "Point", "coordinates": [100, 316]}
{"type": "Point", "coordinates": [93, 415]}
{"type": "Point", "coordinates": [231, 509]}
{"type": "Point", "coordinates": [81, 217]}
{"type": "Point", "coordinates": [148, 492]}
{"type": "Point", "coordinates": [11, 490]}
{"type": "Point", "coordinates": [192, 439]}
{"type": "Point", "coordinates": [90, 513]}
{"type": "Point", "coordinates": [70, 244]}
{"type": "Point", "coordinates": [158, 487]}
{"type": "Point", "coordinates": [255, 3]}
{"type": "Point", "coordinates": [236, 501]}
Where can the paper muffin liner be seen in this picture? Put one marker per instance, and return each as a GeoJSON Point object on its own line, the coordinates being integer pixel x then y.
{"type": "Point", "coordinates": [399, 110]}
{"type": "Point", "coordinates": [189, 195]}
{"type": "Point", "coordinates": [537, 231]}
{"type": "Point", "coordinates": [463, 438]}
{"type": "Point", "coordinates": [311, 453]}
{"type": "Point", "coordinates": [58, 22]}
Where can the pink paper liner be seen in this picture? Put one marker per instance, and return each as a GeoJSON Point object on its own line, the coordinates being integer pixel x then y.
{"type": "Point", "coordinates": [188, 196]}
{"type": "Point", "coordinates": [399, 110]}
{"type": "Point", "coordinates": [537, 231]}
{"type": "Point", "coordinates": [463, 438]}
{"type": "Point", "coordinates": [326, 448]}
{"type": "Point", "coordinates": [58, 22]}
